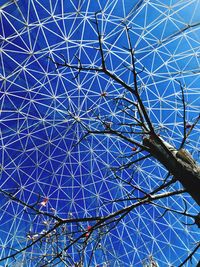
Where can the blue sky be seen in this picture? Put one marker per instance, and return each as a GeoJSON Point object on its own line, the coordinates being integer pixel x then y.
{"type": "Point", "coordinates": [45, 109]}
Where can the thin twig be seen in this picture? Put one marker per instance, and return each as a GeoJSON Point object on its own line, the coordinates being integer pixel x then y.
{"type": "Point", "coordinates": [190, 255]}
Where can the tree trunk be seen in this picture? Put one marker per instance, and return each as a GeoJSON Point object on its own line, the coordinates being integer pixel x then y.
{"type": "Point", "coordinates": [187, 174]}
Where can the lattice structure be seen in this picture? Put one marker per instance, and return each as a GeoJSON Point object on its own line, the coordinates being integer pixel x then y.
{"type": "Point", "coordinates": [44, 109]}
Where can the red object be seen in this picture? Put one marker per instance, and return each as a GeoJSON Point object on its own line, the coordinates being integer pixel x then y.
{"type": "Point", "coordinates": [188, 126]}
{"type": "Point", "coordinates": [134, 148]}
{"type": "Point", "coordinates": [44, 202]}
{"type": "Point", "coordinates": [89, 228]}
{"type": "Point", "coordinates": [87, 235]}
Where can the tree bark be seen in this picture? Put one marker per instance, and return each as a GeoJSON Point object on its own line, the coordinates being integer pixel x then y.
{"type": "Point", "coordinates": [187, 174]}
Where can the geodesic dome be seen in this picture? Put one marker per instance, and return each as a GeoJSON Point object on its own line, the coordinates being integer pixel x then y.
{"type": "Point", "coordinates": [46, 107]}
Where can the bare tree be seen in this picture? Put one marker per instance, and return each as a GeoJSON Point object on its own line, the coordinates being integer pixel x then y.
{"type": "Point", "coordinates": [64, 235]}
{"type": "Point", "coordinates": [177, 161]}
